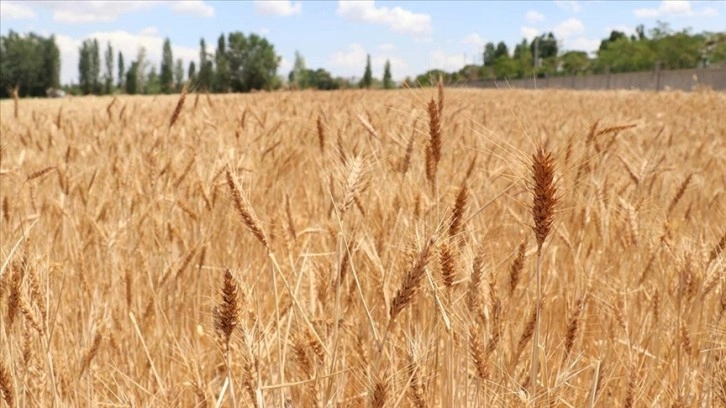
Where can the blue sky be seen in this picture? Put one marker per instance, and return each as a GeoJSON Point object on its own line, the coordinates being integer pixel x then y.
{"type": "Point", "coordinates": [337, 35]}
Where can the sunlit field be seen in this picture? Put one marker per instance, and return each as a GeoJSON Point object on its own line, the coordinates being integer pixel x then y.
{"type": "Point", "coordinates": [364, 248]}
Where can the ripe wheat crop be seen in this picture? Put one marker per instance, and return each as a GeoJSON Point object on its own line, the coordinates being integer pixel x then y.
{"type": "Point", "coordinates": [426, 248]}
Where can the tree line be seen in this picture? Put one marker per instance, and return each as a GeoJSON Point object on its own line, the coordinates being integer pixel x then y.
{"type": "Point", "coordinates": [242, 63]}
{"type": "Point", "coordinates": [660, 47]}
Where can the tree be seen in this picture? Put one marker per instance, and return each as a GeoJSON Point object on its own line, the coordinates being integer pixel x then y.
{"type": "Point", "coordinates": [192, 72]}
{"type": "Point", "coordinates": [179, 74]}
{"type": "Point", "coordinates": [614, 36]}
{"type": "Point", "coordinates": [221, 79]}
{"type": "Point", "coordinates": [142, 66]}
{"type": "Point", "coordinates": [501, 50]}
{"type": "Point", "coordinates": [108, 77]}
{"type": "Point", "coordinates": [132, 76]}
{"type": "Point", "coordinates": [153, 84]}
{"type": "Point", "coordinates": [85, 79]}
{"type": "Point", "coordinates": [544, 46]}
{"type": "Point", "coordinates": [95, 73]}
{"type": "Point", "coordinates": [121, 71]}
{"type": "Point", "coordinates": [367, 79]}
{"type": "Point", "coordinates": [252, 63]}
{"type": "Point", "coordinates": [574, 62]}
{"type": "Point", "coordinates": [523, 62]}
{"type": "Point", "coordinates": [205, 67]}
{"type": "Point", "coordinates": [298, 75]}
{"type": "Point", "coordinates": [489, 53]}
{"type": "Point", "coordinates": [387, 79]}
{"type": "Point", "coordinates": [29, 61]}
{"type": "Point", "coordinates": [166, 77]}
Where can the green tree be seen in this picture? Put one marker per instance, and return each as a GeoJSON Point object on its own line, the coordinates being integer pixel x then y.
{"type": "Point", "coordinates": [85, 79]}
{"type": "Point", "coordinates": [221, 79]}
{"type": "Point", "coordinates": [29, 61]}
{"type": "Point", "coordinates": [131, 83]}
{"type": "Point", "coordinates": [95, 67]}
{"type": "Point", "coordinates": [121, 70]}
{"type": "Point", "coordinates": [153, 84]}
{"type": "Point", "coordinates": [387, 78]}
{"type": "Point", "coordinates": [490, 52]}
{"type": "Point", "coordinates": [367, 79]}
{"type": "Point", "coordinates": [574, 62]}
{"type": "Point", "coordinates": [108, 76]}
{"type": "Point", "coordinates": [179, 74]}
{"type": "Point", "coordinates": [298, 76]}
{"type": "Point", "coordinates": [192, 73]}
{"type": "Point", "coordinates": [205, 67]}
{"type": "Point", "coordinates": [501, 50]}
{"type": "Point", "coordinates": [142, 67]}
{"type": "Point", "coordinates": [614, 36]}
{"type": "Point", "coordinates": [252, 62]}
{"type": "Point", "coordinates": [166, 76]}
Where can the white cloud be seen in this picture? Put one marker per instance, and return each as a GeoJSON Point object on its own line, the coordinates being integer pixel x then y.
{"type": "Point", "coordinates": [439, 59]}
{"type": "Point", "coordinates": [397, 19]}
{"type": "Point", "coordinates": [354, 56]}
{"type": "Point", "coordinates": [569, 28]}
{"type": "Point", "coordinates": [123, 41]}
{"type": "Point", "coordinates": [581, 44]}
{"type": "Point", "coordinates": [569, 5]}
{"type": "Point", "coordinates": [80, 12]}
{"type": "Point", "coordinates": [103, 11]}
{"type": "Point", "coordinates": [281, 8]}
{"type": "Point", "coordinates": [11, 10]}
{"type": "Point", "coordinates": [352, 61]}
{"type": "Point", "coordinates": [680, 8]}
{"type": "Point", "coordinates": [387, 47]}
{"type": "Point", "coordinates": [529, 32]}
{"type": "Point", "coordinates": [474, 40]}
{"type": "Point", "coordinates": [533, 16]}
{"type": "Point", "coordinates": [149, 31]}
{"type": "Point", "coordinates": [193, 7]}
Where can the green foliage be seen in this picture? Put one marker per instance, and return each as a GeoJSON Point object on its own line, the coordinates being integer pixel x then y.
{"type": "Point", "coordinates": [489, 54]}
{"type": "Point", "coordinates": [132, 86]}
{"type": "Point", "coordinates": [121, 71]}
{"type": "Point", "coordinates": [166, 78]}
{"type": "Point", "coordinates": [108, 76]}
{"type": "Point", "coordinates": [179, 74]}
{"type": "Point", "coordinates": [574, 62]}
{"type": "Point", "coordinates": [221, 77]}
{"type": "Point", "coordinates": [298, 76]}
{"type": "Point", "coordinates": [367, 80]}
{"type": "Point", "coordinates": [387, 77]}
{"type": "Point", "coordinates": [30, 61]}
{"type": "Point", "coordinates": [153, 84]}
{"type": "Point", "coordinates": [192, 72]}
{"type": "Point", "coordinates": [252, 63]}
{"type": "Point", "coordinates": [204, 80]}
{"type": "Point", "coordinates": [501, 51]}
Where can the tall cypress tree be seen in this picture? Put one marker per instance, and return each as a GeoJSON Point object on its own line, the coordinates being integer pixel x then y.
{"type": "Point", "coordinates": [220, 58]}
{"type": "Point", "coordinates": [109, 69]}
{"type": "Point", "coordinates": [121, 70]}
{"type": "Point", "coordinates": [84, 67]}
{"type": "Point", "coordinates": [205, 67]}
{"type": "Point", "coordinates": [95, 67]}
{"type": "Point", "coordinates": [166, 77]}
{"type": "Point", "coordinates": [387, 78]}
{"type": "Point", "coordinates": [367, 80]}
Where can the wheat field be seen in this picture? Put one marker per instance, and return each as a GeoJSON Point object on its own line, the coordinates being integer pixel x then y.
{"type": "Point", "coordinates": [365, 248]}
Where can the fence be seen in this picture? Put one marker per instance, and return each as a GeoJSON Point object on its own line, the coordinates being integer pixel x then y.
{"type": "Point", "coordinates": [682, 79]}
